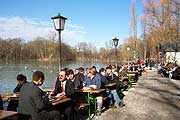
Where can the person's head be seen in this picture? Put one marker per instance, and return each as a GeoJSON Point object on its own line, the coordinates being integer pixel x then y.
{"type": "Point", "coordinates": [62, 75]}
{"type": "Point", "coordinates": [91, 72]}
{"type": "Point", "coordinates": [81, 70]}
{"type": "Point", "coordinates": [38, 78]}
{"type": "Point", "coordinates": [76, 71]}
{"type": "Point", "coordinates": [94, 67]}
{"type": "Point", "coordinates": [70, 74]}
{"type": "Point", "coordinates": [108, 70]}
{"type": "Point", "coordinates": [113, 66]}
{"type": "Point", "coordinates": [102, 71]}
{"type": "Point", "coordinates": [87, 70]}
{"type": "Point", "coordinates": [21, 79]}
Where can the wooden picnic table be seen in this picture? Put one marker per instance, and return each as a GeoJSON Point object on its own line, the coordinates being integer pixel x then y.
{"type": "Point", "coordinates": [126, 81]}
{"type": "Point", "coordinates": [94, 91]}
{"type": "Point", "coordinates": [11, 96]}
{"type": "Point", "coordinates": [91, 98]}
{"type": "Point", "coordinates": [60, 100]}
{"type": "Point", "coordinates": [15, 96]}
{"type": "Point", "coordinates": [132, 72]}
{"type": "Point", "coordinates": [111, 84]}
{"type": "Point", "coordinates": [48, 90]}
{"type": "Point", "coordinates": [123, 78]}
{"type": "Point", "coordinates": [54, 102]}
{"type": "Point", "coordinates": [6, 96]}
{"type": "Point", "coordinates": [133, 76]}
{"type": "Point", "coordinates": [10, 115]}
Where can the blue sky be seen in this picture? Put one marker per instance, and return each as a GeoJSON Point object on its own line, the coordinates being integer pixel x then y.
{"type": "Point", "coordinates": [94, 21]}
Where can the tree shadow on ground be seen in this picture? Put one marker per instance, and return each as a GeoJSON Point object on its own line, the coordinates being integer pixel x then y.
{"type": "Point", "coordinates": [168, 96]}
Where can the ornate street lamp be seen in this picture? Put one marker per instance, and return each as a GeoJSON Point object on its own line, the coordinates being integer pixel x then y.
{"type": "Point", "coordinates": [128, 49]}
{"type": "Point", "coordinates": [115, 42]}
{"type": "Point", "coordinates": [59, 23]}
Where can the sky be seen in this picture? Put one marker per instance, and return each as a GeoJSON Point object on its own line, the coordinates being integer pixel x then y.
{"type": "Point", "coordinates": [93, 21]}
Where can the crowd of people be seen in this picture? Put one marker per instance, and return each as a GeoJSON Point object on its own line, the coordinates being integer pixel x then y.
{"type": "Point", "coordinates": [33, 101]}
{"type": "Point", "coordinates": [169, 70]}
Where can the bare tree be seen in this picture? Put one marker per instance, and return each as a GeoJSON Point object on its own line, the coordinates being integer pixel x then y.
{"type": "Point", "coordinates": [159, 23]}
{"type": "Point", "coordinates": [133, 27]}
{"type": "Point", "coordinates": [109, 47]}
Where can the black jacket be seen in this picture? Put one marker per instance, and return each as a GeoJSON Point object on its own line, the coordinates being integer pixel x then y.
{"type": "Point", "coordinates": [114, 79]}
{"type": "Point", "coordinates": [79, 78]}
{"type": "Point", "coordinates": [57, 87]}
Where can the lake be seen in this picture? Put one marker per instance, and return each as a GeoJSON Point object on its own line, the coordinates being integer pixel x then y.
{"type": "Point", "coordinates": [9, 71]}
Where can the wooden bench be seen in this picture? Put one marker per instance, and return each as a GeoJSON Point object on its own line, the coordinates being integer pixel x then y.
{"type": "Point", "coordinates": [123, 78]}
{"type": "Point", "coordinates": [83, 106]}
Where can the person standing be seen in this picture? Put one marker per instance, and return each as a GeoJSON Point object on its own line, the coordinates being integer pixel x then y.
{"type": "Point", "coordinates": [33, 102]}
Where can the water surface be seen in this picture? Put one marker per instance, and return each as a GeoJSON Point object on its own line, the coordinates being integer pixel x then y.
{"type": "Point", "coordinates": [9, 71]}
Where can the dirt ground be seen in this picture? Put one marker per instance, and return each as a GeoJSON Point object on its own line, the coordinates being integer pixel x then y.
{"type": "Point", "coordinates": [152, 98]}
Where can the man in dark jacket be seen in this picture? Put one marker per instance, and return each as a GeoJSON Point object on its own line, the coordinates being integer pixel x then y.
{"type": "Point", "coordinates": [32, 101]}
{"type": "Point", "coordinates": [13, 104]}
{"type": "Point", "coordinates": [79, 78]}
{"type": "Point", "coordinates": [63, 87]}
{"type": "Point", "coordinates": [112, 78]}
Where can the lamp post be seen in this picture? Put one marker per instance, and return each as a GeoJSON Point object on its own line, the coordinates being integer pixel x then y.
{"type": "Point", "coordinates": [128, 49]}
{"type": "Point", "coordinates": [158, 50]}
{"type": "Point", "coordinates": [115, 42]}
{"type": "Point", "coordinates": [59, 23]}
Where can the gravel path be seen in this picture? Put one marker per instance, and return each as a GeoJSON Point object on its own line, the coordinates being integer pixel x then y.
{"type": "Point", "coordinates": [152, 98]}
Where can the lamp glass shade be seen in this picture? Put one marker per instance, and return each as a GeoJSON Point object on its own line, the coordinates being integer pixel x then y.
{"type": "Point", "coordinates": [128, 48]}
{"type": "Point", "coordinates": [59, 22]}
{"type": "Point", "coordinates": [115, 41]}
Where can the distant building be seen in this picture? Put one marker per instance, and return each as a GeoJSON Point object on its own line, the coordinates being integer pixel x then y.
{"type": "Point", "coordinates": [171, 56]}
{"type": "Point", "coordinates": [172, 52]}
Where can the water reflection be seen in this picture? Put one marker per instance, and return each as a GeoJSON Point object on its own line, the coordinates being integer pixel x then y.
{"type": "Point", "coordinates": [9, 71]}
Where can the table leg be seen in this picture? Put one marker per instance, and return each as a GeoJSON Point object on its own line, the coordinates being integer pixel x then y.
{"type": "Point", "coordinates": [95, 107]}
{"type": "Point", "coordinates": [130, 84]}
{"type": "Point", "coordinates": [89, 110]}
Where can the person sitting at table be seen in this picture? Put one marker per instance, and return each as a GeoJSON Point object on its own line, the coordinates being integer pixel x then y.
{"type": "Point", "coordinates": [13, 104]}
{"type": "Point", "coordinates": [109, 91]}
{"type": "Point", "coordinates": [79, 78]}
{"type": "Point", "coordinates": [1, 103]}
{"type": "Point", "coordinates": [33, 102]}
{"type": "Point", "coordinates": [123, 71]}
{"type": "Point", "coordinates": [114, 70]}
{"type": "Point", "coordinates": [70, 89]}
{"type": "Point", "coordinates": [60, 83]}
{"type": "Point", "coordinates": [74, 93]}
{"type": "Point", "coordinates": [131, 67]}
{"type": "Point", "coordinates": [104, 80]}
{"type": "Point", "coordinates": [114, 79]}
{"type": "Point", "coordinates": [92, 81]}
{"type": "Point", "coordinates": [61, 88]}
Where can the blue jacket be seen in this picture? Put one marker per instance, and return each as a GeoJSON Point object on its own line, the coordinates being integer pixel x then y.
{"type": "Point", "coordinates": [96, 80]}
